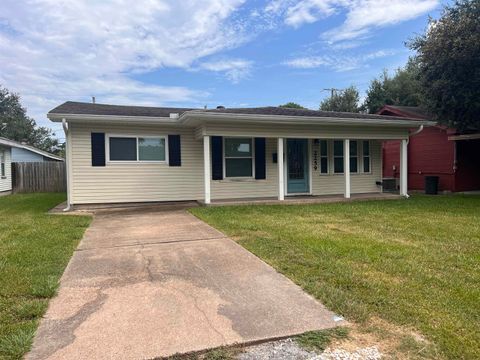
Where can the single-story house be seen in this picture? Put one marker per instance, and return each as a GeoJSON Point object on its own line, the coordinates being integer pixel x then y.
{"type": "Point", "coordinates": [436, 151]}
{"type": "Point", "coordinates": [12, 152]}
{"type": "Point", "coordinates": [119, 154]}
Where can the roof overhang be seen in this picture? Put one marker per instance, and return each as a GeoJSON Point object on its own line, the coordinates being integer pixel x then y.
{"type": "Point", "coordinates": [195, 117]}
{"type": "Point", "coordinates": [11, 143]}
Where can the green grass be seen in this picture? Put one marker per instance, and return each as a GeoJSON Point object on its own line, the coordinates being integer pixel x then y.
{"type": "Point", "coordinates": [34, 249]}
{"type": "Point", "coordinates": [319, 340]}
{"type": "Point", "coordinates": [413, 263]}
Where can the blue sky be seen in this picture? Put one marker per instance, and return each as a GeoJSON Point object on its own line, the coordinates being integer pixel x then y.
{"type": "Point", "coordinates": [203, 52]}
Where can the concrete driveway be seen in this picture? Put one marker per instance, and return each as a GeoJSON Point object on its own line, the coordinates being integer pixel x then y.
{"type": "Point", "coordinates": [145, 284]}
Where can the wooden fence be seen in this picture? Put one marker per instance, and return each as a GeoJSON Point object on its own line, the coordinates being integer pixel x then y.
{"type": "Point", "coordinates": [47, 176]}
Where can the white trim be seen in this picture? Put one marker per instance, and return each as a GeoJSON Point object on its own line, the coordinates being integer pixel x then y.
{"type": "Point", "coordinates": [404, 168]}
{"type": "Point", "coordinates": [200, 116]}
{"type": "Point", "coordinates": [206, 168]}
{"type": "Point", "coordinates": [346, 167]}
{"type": "Point", "coordinates": [224, 163]}
{"type": "Point", "coordinates": [281, 169]}
{"type": "Point", "coordinates": [136, 137]}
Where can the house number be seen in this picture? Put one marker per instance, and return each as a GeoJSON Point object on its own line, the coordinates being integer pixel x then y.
{"type": "Point", "coordinates": [315, 158]}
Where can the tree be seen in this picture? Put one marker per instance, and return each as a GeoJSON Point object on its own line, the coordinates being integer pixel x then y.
{"type": "Point", "coordinates": [343, 101]}
{"type": "Point", "coordinates": [402, 89]}
{"type": "Point", "coordinates": [16, 125]}
{"type": "Point", "coordinates": [292, 105]}
{"type": "Point", "coordinates": [448, 56]}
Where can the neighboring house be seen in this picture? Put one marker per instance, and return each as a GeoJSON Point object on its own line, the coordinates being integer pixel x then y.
{"type": "Point", "coordinates": [436, 151]}
{"type": "Point", "coordinates": [137, 154]}
{"type": "Point", "coordinates": [13, 151]}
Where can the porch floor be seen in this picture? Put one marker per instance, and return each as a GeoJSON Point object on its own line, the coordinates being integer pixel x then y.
{"type": "Point", "coordinates": [304, 199]}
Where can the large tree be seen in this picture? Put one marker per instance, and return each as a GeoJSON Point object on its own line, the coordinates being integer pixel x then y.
{"type": "Point", "coordinates": [16, 125]}
{"type": "Point", "coordinates": [448, 55]}
{"type": "Point", "coordinates": [403, 88]}
{"type": "Point", "coordinates": [343, 101]}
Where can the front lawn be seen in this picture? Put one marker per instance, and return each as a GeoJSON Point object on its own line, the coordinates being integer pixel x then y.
{"type": "Point", "coordinates": [412, 263]}
{"type": "Point", "coordinates": [34, 249]}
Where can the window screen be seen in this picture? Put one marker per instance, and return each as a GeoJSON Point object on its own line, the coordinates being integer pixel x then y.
{"type": "Point", "coordinates": [151, 149]}
{"type": "Point", "coordinates": [238, 157]}
{"type": "Point", "coordinates": [123, 149]}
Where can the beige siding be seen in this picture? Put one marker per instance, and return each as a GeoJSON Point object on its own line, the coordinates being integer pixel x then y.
{"type": "Point", "coordinates": [360, 182]}
{"type": "Point", "coordinates": [233, 189]}
{"type": "Point", "coordinates": [138, 182]}
{"type": "Point", "coordinates": [6, 183]}
{"type": "Point", "coordinates": [135, 182]}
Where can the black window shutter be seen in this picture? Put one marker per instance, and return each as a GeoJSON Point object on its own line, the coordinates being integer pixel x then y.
{"type": "Point", "coordinates": [217, 158]}
{"type": "Point", "coordinates": [260, 171]}
{"type": "Point", "coordinates": [174, 151]}
{"type": "Point", "coordinates": [98, 149]}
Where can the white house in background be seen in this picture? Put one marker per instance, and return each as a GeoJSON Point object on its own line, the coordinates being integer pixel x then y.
{"type": "Point", "coordinates": [121, 154]}
{"type": "Point", "coordinates": [13, 151]}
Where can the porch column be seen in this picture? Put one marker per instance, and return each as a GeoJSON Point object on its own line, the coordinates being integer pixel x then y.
{"type": "Point", "coordinates": [404, 168]}
{"type": "Point", "coordinates": [206, 167]}
{"type": "Point", "coordinates": [346, 166]}
{"type": "Point", "coordinates": [281, 185]}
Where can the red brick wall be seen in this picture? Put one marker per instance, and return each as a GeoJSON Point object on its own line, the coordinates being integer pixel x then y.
{"type": "Point", "coordinates": [429, 153]}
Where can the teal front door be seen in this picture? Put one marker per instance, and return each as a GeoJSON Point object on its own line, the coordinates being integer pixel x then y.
{"type": "Point", "coordinates": [297, 166]}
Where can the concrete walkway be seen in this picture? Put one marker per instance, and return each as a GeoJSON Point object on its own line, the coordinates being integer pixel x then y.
{"type": "Point", "coordinates": [144, 284]}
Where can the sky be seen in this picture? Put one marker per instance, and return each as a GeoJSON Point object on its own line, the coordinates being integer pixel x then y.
{"type": "Point", "coordinates": [196, 53]}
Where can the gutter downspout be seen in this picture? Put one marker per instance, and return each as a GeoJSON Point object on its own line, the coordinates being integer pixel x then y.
{"type": "Point", "coordinates": [67, 162]}
{"type": "Point", "coordinates": [418, 131]}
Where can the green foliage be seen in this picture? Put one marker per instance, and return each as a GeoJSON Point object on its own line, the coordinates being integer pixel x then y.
{"type": "Point", "coordinates": [448, 54]}
{"type": "Point", "coordinates": [34, 250]}
{"type": "Point", "coordinates": [320, 340]}
{"type": "Point", "coordinates": [292, 105]}
{"type": "Point", "coordinates": [16, 125]}
{"type": "Point", "coordinates": [413, 263]}
{"type": "Point", "coordinates": [401, 89]}
{"type": "Point", "coordinates": [343, 101]}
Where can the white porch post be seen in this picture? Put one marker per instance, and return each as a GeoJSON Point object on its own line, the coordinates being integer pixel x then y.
{"type": "Point", "coordinates": [281, 186]}
{"type": "Point", "coordinates": [346, 166]}
{"type": "Point", "coordinates": [404, 168]}
{"type": "Point", "coordinates": [206, 167]}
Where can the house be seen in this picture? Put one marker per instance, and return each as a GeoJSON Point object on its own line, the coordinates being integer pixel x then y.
{"type": "Point", "coordinates": [435, 151]}
{"type": "Point", "coordinates": [121, 154]}
{"type": "Point", "coordinates": [12, 152]}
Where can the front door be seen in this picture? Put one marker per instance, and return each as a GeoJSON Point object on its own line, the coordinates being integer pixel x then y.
{"type": "Point", "coordinates": [297, 166]}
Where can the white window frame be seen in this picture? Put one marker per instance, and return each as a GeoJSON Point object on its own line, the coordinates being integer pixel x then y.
{"type": "Point", "coordinates": [243, 157]}
{"type": "Point", "coordinates": [357, 156]}
{"type": "Point", "coordinates": [324, 156]}
{"type": "Point", "coordinates": [369, 156]}
{"type": "Point", "coordinates": [3, 165]}
{"type": "Point", "coordinates": [136, 137]}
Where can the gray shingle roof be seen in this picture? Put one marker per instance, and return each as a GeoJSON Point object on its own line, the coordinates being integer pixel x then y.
{"type": "Point", "coordinates": [71, 107]}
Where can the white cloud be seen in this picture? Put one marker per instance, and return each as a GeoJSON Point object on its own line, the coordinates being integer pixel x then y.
{"type": "Point", "coordinates": [234, 69]}
{"type": "Point", "coordinates": [341, 62]}
{"type": "Point", "coordinates": [361, 15]}
{"type": "Point", "coordinates": [51, 52]}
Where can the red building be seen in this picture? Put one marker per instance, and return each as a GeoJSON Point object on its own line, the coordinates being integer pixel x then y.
{"type": "Point", "coordinates": [437, 151]}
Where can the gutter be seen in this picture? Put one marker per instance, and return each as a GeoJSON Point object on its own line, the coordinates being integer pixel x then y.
{"type": "Point", "coordinates": [67, 162]}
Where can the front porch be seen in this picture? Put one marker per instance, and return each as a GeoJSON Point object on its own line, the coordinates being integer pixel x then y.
{"type": "Point", "coordinates": [297, 169]}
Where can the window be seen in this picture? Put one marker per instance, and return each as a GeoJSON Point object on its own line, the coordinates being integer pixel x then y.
{"type": "Point", "coordinates": [323, 157]}
{"type": "Point", "coordinates": [2, 165]}
{"type": "Point", "coordinates": [238, 157]}
{"type": "Point", "coordinates": [137, 149]}
{"type": "Point", "coordinates": [353, 156]}
{"type": "Point", "coordinates": [366, 156]}
{"type": "Point", "coordinates": [338, 156]}
{"type": "Point", "coordinates": [151, 149]}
